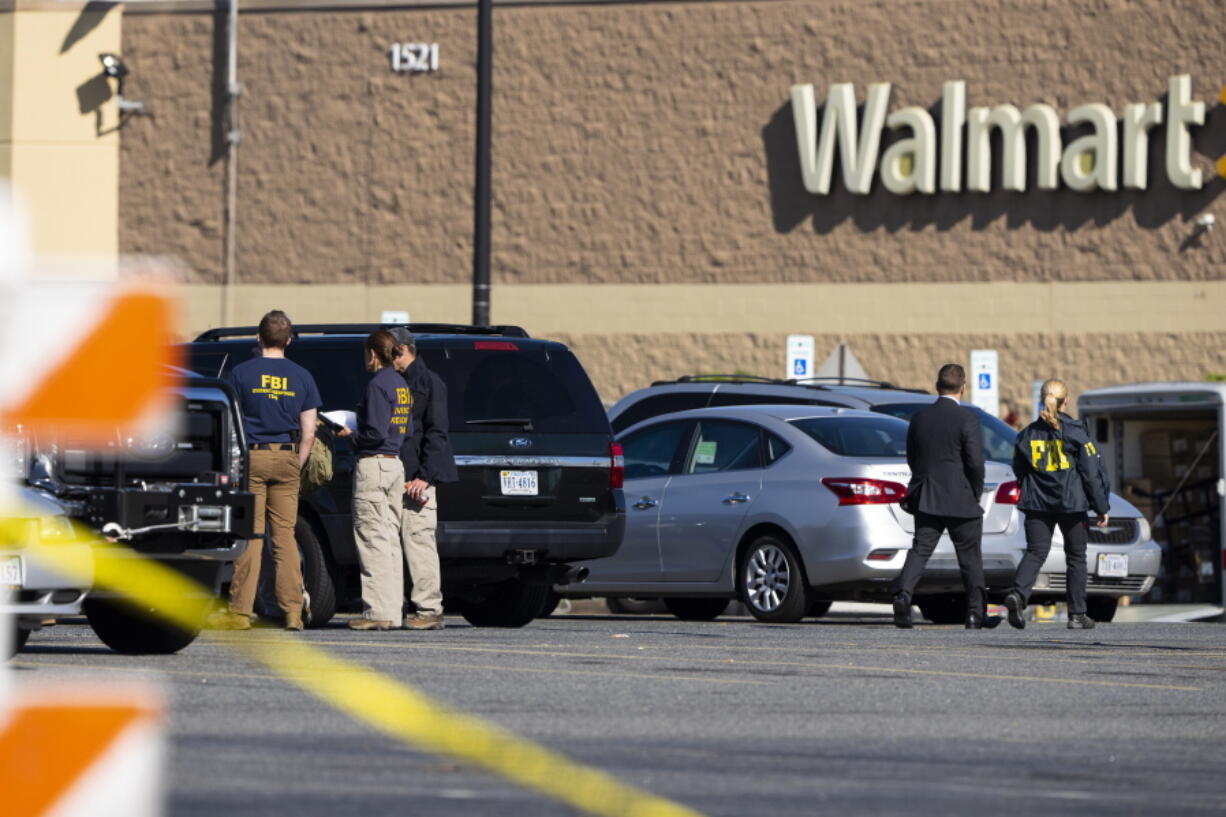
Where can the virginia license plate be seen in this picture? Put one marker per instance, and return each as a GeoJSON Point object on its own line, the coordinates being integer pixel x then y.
{"type": "Point", "coordinates": [1113, 565]}
{"type": "Point", "coordinates": [519, 483]}
{"type": "Point", "coordinates": [11, 572]}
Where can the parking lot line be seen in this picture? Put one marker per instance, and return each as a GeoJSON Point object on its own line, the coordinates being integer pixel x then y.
{"type": "Point", "coordinates": [804, 664]}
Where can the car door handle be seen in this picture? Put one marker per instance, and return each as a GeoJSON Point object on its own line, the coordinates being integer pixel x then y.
{"type": "Point", "coordinates": [736, 499]}
{"type": "Point", "coordinates": [646, 502]}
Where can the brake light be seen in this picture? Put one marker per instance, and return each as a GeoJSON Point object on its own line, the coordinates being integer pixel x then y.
{"type": "Point", "coordinates": [1009, 493]}
{"type": "Point", "coordinates": [497, 345]}
{"type": "Point", "coordinates": [859, 491]}
{"type": "Point", "coordinates": [617, 466]}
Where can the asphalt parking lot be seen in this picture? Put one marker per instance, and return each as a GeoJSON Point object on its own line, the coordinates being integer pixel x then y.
{"type": "Point", "coordinates": [843, 716]}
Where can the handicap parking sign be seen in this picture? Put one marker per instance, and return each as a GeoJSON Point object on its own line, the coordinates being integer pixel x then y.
{"type": "Point", "coordinates": [985, 380]}
{"type": "Point", "coordinates": [799, 367]}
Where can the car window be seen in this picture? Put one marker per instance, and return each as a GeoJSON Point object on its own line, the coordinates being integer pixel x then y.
{"type": "Point", "coordinates": [857, 436]}
{"type": "Point", "coordinates": [998, 438]}
{"type": "Point", "coordinates": [723, 445]}
{"type": "Point", "coordinates": [547, 386]}
{"type": "Point", "coordinates": [652, 451]}
{"type": "Point", "coordinates": [657, 404]}
{"type": "Point", "coordinates": [776, 447]}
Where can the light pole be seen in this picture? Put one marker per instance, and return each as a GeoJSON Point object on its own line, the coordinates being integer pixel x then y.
{"type": "Point", "coordinates": [481, 192]}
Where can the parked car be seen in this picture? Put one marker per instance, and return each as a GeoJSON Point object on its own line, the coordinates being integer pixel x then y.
{"type": "Point", "coordinates": [39, 593]}
{"type": "Point", "coordinates": [786, 508]}
{"type": "Point", "coordinates": [1128, 534]}
{"type": "Point", "coordinates": [540, 475]}
{"type": "Point", "coordinates": [177, 496]}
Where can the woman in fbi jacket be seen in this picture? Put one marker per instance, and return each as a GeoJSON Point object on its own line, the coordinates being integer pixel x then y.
{"type": "Point", "coordinates": [1061, 477]}
{"type": "Point", "coordinates": [383, 419]}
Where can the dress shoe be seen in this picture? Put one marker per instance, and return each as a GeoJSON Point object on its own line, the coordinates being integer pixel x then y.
{"type": "Point", "coordinates": [369, 624]}
{"type": "Point", "coordinates": [1080, 621]}
{"type": "Point", "coordinates": [226, 620]}
{"type": "Point", "coordinates": [293, 621]}
{"type": "Point", "coordinates": [1015, 606]}
{"type": "Point", "coordinates": [421, 621]}
{"type": "Point", "coordinates": [902, 612]}
{"type": "Point", "coordinates": [982, 621]}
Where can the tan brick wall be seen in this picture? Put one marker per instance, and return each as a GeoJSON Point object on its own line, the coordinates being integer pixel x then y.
{"type": "Point", "coordinates": [619, 364]}
{"type": "Point", "coordinates": [647, 142]}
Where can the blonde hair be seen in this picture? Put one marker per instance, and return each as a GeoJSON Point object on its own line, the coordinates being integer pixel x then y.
{"type": "Point", "coordinates": [1053, 395]}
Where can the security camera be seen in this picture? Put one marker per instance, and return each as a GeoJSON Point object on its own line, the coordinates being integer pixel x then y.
{"type": "Point", "coordinates": [1206, 222]}
{"type": "Point", "coordinates": [112, 65]}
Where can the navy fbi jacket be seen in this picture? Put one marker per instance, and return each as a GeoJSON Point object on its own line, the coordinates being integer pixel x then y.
{"type": "Point", "coordinates": [384, 415]}
{"type": "Point", "coordinates": [1060, 470]}
{"type": "Point", "coordinates": [427, 453]}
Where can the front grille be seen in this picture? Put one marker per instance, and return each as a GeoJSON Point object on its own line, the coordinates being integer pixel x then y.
{"type": "Point", "coordinates": [1129, 584]}
{"type": "Point", "coordinates": [1118, 532]}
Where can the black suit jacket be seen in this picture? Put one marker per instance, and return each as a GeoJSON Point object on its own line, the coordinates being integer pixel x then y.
{"type": "Point", "coordinates": [426, 452]}
{"type": "Point", "coordinates": [945, 452]}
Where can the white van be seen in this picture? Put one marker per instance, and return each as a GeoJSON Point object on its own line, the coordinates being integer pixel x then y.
{"type": "Point", "coordinates": [1164, 444]}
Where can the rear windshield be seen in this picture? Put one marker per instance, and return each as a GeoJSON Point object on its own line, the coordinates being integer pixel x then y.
{"type": "Point", "coordinates": [857, 436]}
{"type": "Point", "coordinates": [998, 438]}
{"type": "Point", "coordinates": [548, 387]}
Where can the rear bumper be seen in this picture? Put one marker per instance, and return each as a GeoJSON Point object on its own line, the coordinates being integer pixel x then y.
{"type": "Point", "coordinates": [45, 593]}
{"type": "Point", "coordinates": [460, 541]}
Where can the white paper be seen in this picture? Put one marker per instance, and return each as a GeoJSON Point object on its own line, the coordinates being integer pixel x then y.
{"type": "Point", "coordinates": [348, 419]}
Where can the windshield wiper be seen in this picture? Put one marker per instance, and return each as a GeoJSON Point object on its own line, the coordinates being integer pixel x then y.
{"type": "Point", "coordinates": [523, 422]}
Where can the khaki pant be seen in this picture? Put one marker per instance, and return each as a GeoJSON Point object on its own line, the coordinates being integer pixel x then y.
{"type": "Point", "coordinates": [274, 481]}
{"type": "Point", "coordinates": [378, 488]}
{"type": "Point", "coordinates": [418, 524]}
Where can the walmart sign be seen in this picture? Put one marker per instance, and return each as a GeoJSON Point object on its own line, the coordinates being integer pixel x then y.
{"type": "Point", "coordinates": [909, 165]}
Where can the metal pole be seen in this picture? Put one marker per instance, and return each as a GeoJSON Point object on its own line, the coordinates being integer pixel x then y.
{"type": "Point", "coordinates": [232, 139]}
{"type": "Point", "coordinates": [481, 193]}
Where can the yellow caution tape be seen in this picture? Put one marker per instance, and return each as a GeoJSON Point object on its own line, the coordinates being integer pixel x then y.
{"type": "Point", "coordinates": [392, 707]}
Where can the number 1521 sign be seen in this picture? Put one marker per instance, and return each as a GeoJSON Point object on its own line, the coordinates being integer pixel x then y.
{"type": "Point", "coordinates": [413, 57]}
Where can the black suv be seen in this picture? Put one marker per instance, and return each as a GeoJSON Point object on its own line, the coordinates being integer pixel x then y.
{"type": "Point", "coordinates": [540, 474]}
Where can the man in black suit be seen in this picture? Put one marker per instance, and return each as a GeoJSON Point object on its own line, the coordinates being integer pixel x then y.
{"type": "Point", "coordinates": [945, 453]}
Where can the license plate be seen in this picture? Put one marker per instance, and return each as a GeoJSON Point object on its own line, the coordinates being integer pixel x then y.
{"type": "Point", "coordinates": [1113, 565]}
{"type": "Point", "coordinates": [11, 572]}
{"type": "Point", "coordinates": [519, 483]}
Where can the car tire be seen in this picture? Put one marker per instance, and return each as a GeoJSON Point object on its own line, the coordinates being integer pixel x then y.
{"type": "Point", "coordinates": [633, 607]}
{"type": "Point", "coordinates": [819, 608]}
{"type": "Point", "coordinates": [947, 608]}
{"type": "Point", "coordinates": [772, 581]}
{"type": "Point", "coordinates": [315, 576]}
{"type": "Point", "coordinates": [511, 603]}
{"type": "Point", "coordinates": [20, 636]}
{"type": "Point", "coordinates": [551, 604]}
{"type": "Point", "coordinates": [691, 609]}
{"type": "Point", "coordinates": [1102, 608]}
{"type": "Point", "coordinates": [130, 631]}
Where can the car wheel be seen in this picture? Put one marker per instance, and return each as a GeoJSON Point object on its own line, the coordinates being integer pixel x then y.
{"type": "Point", "coordinates": [508, 604]}
{"type": "Point", "coordinates": [819, 608]}
{"type": "Point", "coordinates": [947, 608]}
{"type": "Point", "coordinates": [1102, 608]}
{"type": "Point", "coordinates": [20, 636]}
{"type": "Point", "coordinates": [688, 609]}
{"type": "Point", "coordinates": [551, 604]}
{"type": "Point", "coordinates": [131, 631]}
{"type": "Point", "coordinates": [634, 607]}
{"type": "Point", "coordinates": [321, 592]}
{"type": "Point", "coordinates": [316, 580]}
{"type": "Point", "coordinates": [773, 584]}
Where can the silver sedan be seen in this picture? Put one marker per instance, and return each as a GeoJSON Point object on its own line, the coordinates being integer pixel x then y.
{"type": "Point", "coordinates": [784, 507]}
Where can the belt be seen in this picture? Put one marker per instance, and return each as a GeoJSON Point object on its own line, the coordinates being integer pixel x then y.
{"type": "Point", "coordinates": [384, 456]}
{"type": "Point", "coordinates": [273, 447]}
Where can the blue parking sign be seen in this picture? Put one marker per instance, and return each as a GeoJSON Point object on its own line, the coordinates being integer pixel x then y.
{"type": "Point", "coordinates": [985, 380]}
{"type": "Point", "coordinates": [799, 367]}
